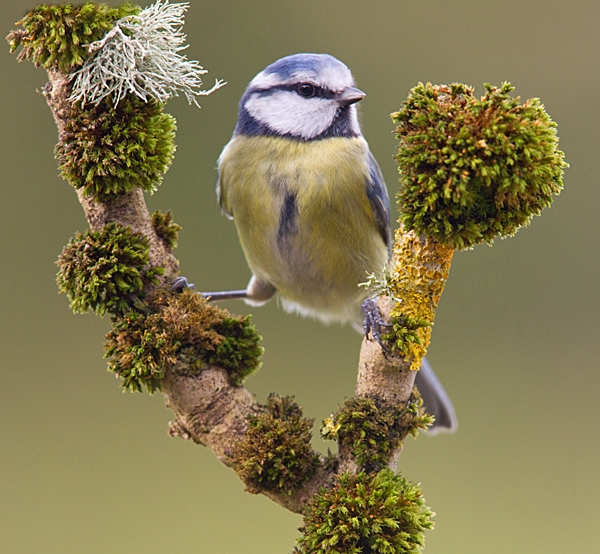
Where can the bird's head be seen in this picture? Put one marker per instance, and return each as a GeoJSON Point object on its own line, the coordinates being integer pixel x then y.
{"type": "Point", "coordinates": [304, 96]}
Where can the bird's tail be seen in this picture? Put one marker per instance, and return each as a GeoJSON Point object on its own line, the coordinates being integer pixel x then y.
{"type": "Point", "coordinates": [435, 400]}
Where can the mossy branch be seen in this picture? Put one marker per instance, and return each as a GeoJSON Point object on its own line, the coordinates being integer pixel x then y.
{"type": "Point", "coordinates": [471, 170]}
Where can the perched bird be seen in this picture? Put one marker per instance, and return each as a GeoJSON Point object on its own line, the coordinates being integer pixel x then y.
{"type": "Point", "coordinates": [309, 200]}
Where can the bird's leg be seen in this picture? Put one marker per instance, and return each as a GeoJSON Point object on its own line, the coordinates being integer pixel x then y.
{"type": "Point", "coordinates": [257, 293]}
{"type": "Point", "coordinates": [224, 295]}
{"type": "Point", "coordinates": [373, 321]}
{"type": "Point", "coordinates": [181, 283]}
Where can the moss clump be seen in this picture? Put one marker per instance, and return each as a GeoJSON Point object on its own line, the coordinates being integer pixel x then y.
{"type": "Point", "coordinates": [472, 170]}
{"type": "Point", "coordinates": [405, 334]}
{"type": "Point", "coordinates": [366, 513]}
{"type": "Point", "coordinates": [143, 346]}
{"type": "Point", "coordinates": [56, 36]}
{"type": "Point", "coordinates": [108, 150]}
{"type": "Point", "coordinates": [166, 228]}
{"type": "Point", "coordinates": [105, 270]}
{"type": "Point", "coordinates": [239, 352]}
{"type": "Point", "coordinates": [275, 453]}
{"type": "Point", "coordinates": [371, 431]}
{"type": "Point", "coordinates": [141, 350]}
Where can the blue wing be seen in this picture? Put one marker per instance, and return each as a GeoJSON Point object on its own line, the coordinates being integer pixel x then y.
{"type": "Point", "coordinates": [379, 200]}
{"type": "Point", "coordinates": [220, 192]}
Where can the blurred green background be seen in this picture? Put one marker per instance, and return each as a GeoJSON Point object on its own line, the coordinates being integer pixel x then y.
{"type": "Point", "coordinates": [86, 468]}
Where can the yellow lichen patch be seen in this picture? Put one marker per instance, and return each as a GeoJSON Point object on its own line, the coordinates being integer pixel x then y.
{"type": "Point", "coordinates": [419, 271]}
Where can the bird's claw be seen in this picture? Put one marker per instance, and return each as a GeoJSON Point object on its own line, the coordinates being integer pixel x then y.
{"type": "Point", "coordinates": [373, 321]}
{"type": "Point", "coordinates": [180, 284]}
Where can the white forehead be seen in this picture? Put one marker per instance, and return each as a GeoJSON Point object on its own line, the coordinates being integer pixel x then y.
{"type": "Point", "coordinates": [320, 69]}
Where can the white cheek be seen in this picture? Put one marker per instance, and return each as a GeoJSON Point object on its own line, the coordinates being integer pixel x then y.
{"type": "Point", "coordinates": [287, 113]}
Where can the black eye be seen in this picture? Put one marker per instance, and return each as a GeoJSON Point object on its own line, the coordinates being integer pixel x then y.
{"type": "Point", "coordinates": [306, 89]}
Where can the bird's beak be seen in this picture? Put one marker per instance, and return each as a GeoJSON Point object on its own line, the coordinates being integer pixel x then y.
{"type": "Point", "coordinates": [350, 95]}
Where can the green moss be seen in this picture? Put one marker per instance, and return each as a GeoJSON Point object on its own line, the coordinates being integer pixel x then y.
{"type": "Point", "coordinates": [404, 334]}
{"type": "Point", "coordinates": [141, 351]}
{"type": "Point", "coordinates": [240, 351]}
{"type": "Point", "coordinates": [179, 326]}
{"type": "Point", "coordinates": [107, 150]}
{"type": "Point", "coordinates": [275, 453]}
{"type": "Point", "coordinates": [56, 35]}
{"type": "Point", "coordinates": [143, 346]}
{"type": "Point", "coordinates": [166, 228]}
{"type": "Point", "coordinates": [371, 431]}
{"type": "Point", "coordinates": [366, 513]}
{"type": "Point", "coordinates": [106, 270]}
{"type": "Point", "coordinates": [472, 170]}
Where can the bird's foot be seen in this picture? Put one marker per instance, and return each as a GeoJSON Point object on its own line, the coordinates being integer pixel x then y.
{"type": "Point", "coordinates": [180, 284]}
{"type": "Point", "coordinates": [373, 322]}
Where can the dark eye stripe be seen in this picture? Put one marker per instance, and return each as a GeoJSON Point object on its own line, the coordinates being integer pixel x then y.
{"type": "Point", "coordinates": [319, 92]}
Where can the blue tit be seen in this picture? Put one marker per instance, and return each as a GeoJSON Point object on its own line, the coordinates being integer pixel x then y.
{"type": "Point", "coordinates": [308, 198]}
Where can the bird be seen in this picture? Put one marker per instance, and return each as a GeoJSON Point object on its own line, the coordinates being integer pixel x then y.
{"type": "Point", "coordinates": [309, 200]}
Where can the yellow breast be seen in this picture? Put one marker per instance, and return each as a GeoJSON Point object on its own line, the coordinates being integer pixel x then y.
{"type": "Point", "coordinates": [304, 219]}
